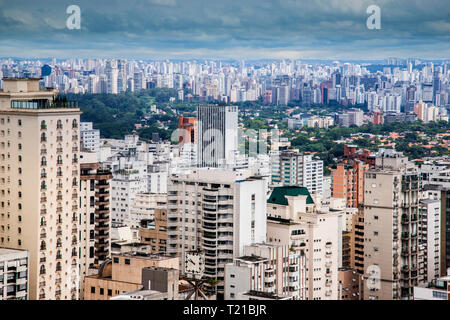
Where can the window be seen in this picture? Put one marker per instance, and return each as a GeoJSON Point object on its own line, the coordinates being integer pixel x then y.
{"type": "Point", "coordinates": [102, 291]}
{"type": "Point", "coordinates": [109, 292]}
{"type": "Point", "coordinates": [19, 122]}
{"type": "Point", "coordinates": [116, 260]}
{"type": "Point", "coordinates": [92, 289]}
{"type": "Point", "coordinates": [127, 261]}
{"type": "Point", "coordinates": [439, 295]}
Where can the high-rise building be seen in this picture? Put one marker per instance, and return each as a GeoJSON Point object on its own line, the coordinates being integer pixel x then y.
{"type": "Point", "coordinates": [111, 75]}
{"type": "Point", "coordinates": [347, 181]}
{"type": "Point", "coordinates": [217, 211]}
{"type": "Point", "coordinates": [187, 139]}
{"type": "Point", "coordinates": [94, 218]}
{"type": "Point", "coordinates": [217, 135]}
{"type": "Point", "coordinates": [290, 168]}
{"type": "Point", "coordinates": [294, 220]}
{"type": "Point", "coordinates": [89, 137]}
{"type": "Point", "coordinates": [391, 227]}
{"type": "Point", "coordinates": [430, 238]}
{"type": "Point", "coordinates": [40, 170]}
{"type": "Point", "coordinates": [154, 231]}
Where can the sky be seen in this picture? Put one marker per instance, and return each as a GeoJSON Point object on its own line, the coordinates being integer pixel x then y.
{"type": "Point", "coordinates": [228, 29]}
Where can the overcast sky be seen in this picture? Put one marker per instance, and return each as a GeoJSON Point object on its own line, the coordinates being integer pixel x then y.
{"type": "Point", "coordinates": [235, 29]}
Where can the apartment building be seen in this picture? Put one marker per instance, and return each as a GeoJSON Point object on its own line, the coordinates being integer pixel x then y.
{"type": "Point", "coordinates": [293, 220]}
{"type": "Point", "coordinates": [391, 227]}
{"type": "Point", "coordinates": [89, 137]}
{"type": "Point", "coordinates": [13, 274]}
{"type": "Point", "coordinates": [123, 273]}
{"type": "Point", "coordinates": [145, 205]}
{"type": "Point", "coordinates": [320, 122]}
{"type": "Point", "coordinates": [154, 232]}
{"type": "Point", "coordinates": [187, 139]}
{"type": "Point", "coordinates": [266, 268]}
{"type": "Point", "coordinates": [217, 211]}
{"type": "Point", "coordinates": [126, 184]}
{"type": "Point", "coordinates": [347, 181]}
{"type": "Point", "coordinates": [430, 237]}
{"type": "Point", "coordinates": [349, 284]}
{"type": "Point", "coordinates": [440, 190]}
{"type": "Point", "coordinates": [39, 179]}
{"type": "Point", "coordinates": [290, 168]}
{"type": "Point", "coordinates": [357, 249]}
{"type": "Point", "coordinates": [94, 218]}
{"type": "Point", "coordinates": [437, 289]}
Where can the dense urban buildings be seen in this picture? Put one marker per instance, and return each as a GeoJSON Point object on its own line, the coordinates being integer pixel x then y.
{"type": "Point", "coordinates": [261, 180]}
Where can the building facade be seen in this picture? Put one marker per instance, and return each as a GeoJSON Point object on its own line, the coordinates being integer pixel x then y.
{"type": "Point", "coordinates": [39, 143]}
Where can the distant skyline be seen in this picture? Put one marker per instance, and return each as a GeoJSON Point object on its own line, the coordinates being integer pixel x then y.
{"type": "Point", "coordinates": [232, 29]}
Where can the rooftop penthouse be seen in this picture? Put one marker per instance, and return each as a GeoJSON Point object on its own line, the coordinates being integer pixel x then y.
{"type": "Point", "coordinates": [26, 94]}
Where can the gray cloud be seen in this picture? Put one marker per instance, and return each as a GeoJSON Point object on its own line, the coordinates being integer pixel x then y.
{"type": "Point", "coordinates": [325, 28]}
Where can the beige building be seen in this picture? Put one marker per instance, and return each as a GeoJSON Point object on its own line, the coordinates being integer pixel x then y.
{"type": "Point", "coordinates": [154, 232]}
{"type": "Point", "coordinates": [391, 226]}
{"type": "Point", "coordinates": [293, 220]}
{"type": "Point", "coordinates": [123, 273]}
{"type": "Point", "coordinates": [39, 180]}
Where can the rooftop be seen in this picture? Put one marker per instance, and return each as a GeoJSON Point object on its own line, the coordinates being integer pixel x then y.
{"type": "Point", "coordinates": [279, 194]}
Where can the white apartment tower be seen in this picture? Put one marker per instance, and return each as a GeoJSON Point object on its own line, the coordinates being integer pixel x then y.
{"type": "Point", "coordinates": [290, 168]}
{"type": "Point", "coordinates": [217, 211]}
{"type": "Point", "coordinates": [39, 176]}
{"type": "Point", "coordinates": [89, 137]}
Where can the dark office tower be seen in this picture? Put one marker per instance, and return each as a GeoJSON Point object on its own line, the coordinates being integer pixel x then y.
{"type": "Point", "coordinates": [437, 83]}
{"type": "Point", "coordinates": [217, 134]}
